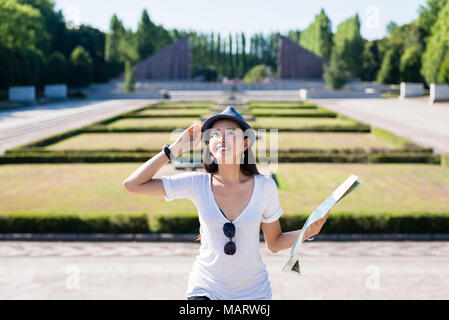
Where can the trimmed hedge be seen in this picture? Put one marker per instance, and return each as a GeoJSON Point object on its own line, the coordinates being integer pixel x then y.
{"type": "Point", "coordinates": [356, 127]}
{"type": "Point", "coordinates": [127, 156]}
{"type": "Point", "coordinates": [189, 223]}
{"type": "Point", "coordinates": [92, 223]}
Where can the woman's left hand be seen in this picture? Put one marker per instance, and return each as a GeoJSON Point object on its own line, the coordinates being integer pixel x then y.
{"type": "Point", "coordinates": [315, 227]}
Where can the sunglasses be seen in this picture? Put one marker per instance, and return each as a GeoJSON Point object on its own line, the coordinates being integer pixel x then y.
{"type": "Point", "coordinates": [229, 231]}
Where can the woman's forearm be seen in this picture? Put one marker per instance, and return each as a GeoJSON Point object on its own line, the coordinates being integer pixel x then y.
{"type": "Point", "coordinates": [147, 170]}
{"type": "Point", "coordinates": [286, 240]}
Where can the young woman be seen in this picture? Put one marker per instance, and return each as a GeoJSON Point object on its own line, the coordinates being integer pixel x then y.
{"type": "Point", "coordinates": [233, 200]}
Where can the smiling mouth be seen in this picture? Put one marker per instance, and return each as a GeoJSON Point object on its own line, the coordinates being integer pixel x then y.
{"type": "Point", "coordinates": [223, 149]}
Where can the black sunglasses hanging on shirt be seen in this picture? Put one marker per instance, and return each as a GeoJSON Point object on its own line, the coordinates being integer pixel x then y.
{"type": "Point", "coordinates": [229, 231]}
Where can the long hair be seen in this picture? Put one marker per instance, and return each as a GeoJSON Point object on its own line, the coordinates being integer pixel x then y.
{"type": "Point", "coordinates": [248, 166]}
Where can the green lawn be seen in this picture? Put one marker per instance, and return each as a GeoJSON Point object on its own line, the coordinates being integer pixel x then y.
{"type": "Point", "coordinates": [184, 104]}
{"type": "Point", "coordinates": [298, 122]}
{"type": "Point", "coordinates": [175, 111]}
{"type": "Point", "coordinates": [161, 123]}
{"type": "Point", "coordinates": [285, 140]}
{"type": "Point", "coordinates": [324, 140]}
{"type": "Point", "coordinates": [97, 188]}
{"type": "Point", "coordinates": [279, 104]}
{"type": "Point", "coordinates": [260, 122]}
{"type": "Point", "coordinates": [121, 141]}
{"type": "Point", "coordinates": [285, 111]}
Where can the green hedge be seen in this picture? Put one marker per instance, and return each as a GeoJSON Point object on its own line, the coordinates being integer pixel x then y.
{"type": "Point", "coordinates": [189, 223]}
{"type": "Point", "coordinates": [318, 114]}
{"type": "Point", "coordinates": [126, 156]}
{"type": "Point", "coordinates": [356, 127]}
{"type": "Point", "coordinates": [53, 223]}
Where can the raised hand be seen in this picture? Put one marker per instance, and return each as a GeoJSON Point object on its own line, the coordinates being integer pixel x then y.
{"type": "Point", "coordinates": [188, 140]}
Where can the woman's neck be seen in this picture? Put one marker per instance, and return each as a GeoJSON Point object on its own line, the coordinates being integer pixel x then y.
{"type": "Point", "coordinates": [229, 173]}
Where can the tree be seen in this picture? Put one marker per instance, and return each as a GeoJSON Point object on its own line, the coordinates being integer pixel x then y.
{"type": "Point", "coordinates": [130, 77]}
{"type": "Point", "coordinates": [112, 46]}
{"type": "Point", "coordinates": [21, 26]}
{"type": "Point", "coordinates": [349, 45]}
{"type": "Point", "coordinates": [437, 48]}
{"type": "Point", "coordinates": [443, 74]}
{"type": "Point", "coordinates": [410, 64]}
{"type": "Point", "coordinates": [256, 74]}
{"type": "Point", "coordinates": [371, 60]}
{"type": "Point", "coordinates": [55, 69]}
{"type": "Point", "coordinates": [53, 22]}
{"type": "Point", "coordinates": [80, 69]}
{"type": "Point", "coordinates": [336, 74]}
{"type": "Point", "coordinates": [389, 71]}
{"type": "Point", "coordinates": [318, 36]}
{"type": "Point", "coordinates": [146, 36]}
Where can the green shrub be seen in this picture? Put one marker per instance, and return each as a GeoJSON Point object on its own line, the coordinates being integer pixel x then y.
{"type": "Point", "coordinates": [336, 74]}
{"type": "Point", "coordinates": [256, 74]}
{"type": "Point", "coordinates": [80, 68]}
{"type": "Point", "coordinates": [56, 69]}
{"type": "Point", "coordinates": [92, 223]}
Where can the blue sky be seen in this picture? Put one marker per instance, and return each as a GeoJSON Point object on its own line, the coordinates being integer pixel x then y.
{"type": "Point", "coordinates": [247, 16]}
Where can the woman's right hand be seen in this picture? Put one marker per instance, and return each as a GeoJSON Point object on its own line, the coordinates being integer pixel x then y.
{"type": "Point", "coordinates": [188, 140]}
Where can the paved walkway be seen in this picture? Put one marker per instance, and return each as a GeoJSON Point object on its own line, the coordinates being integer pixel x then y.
{"type": "Point", "coordinates": [415, 119]}
{"type": "Point", "coordinates": [331, 270]}
{"type": "Point", "coordinates": [24, 125]}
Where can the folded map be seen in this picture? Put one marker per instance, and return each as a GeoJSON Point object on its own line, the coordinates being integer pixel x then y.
{"type": "Point", "coordinates": [349, 185]}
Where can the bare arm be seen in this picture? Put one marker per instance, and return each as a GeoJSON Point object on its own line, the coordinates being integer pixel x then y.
{"type": "Point", "coordinates": [277, 240]}
{"type": "Point", "coordinates": [141, 181]}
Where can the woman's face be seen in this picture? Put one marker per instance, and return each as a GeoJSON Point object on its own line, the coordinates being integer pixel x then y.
{"type": "Point", "coordinates": [226, 142]}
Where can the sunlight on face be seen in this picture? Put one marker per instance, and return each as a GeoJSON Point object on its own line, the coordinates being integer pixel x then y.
{"type": "Point", "coordinates": [226, 141]}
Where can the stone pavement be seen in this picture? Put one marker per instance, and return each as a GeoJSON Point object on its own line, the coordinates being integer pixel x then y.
{"type": "Point", "coordinates": [158, 270]}
{"type": "Point", "coordinates": [415, 119]}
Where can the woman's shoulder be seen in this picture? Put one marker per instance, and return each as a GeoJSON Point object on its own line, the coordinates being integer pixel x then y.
{"type": "Point", "coordinates": [268, 182]}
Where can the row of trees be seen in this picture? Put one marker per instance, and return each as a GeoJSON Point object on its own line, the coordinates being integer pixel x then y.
{"type": "Point", "coordinates": [37, 47]}
{"type": "Point", "coordinates": [414, 52]}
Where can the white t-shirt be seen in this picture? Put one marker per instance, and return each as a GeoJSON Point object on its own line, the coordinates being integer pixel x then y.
{"type": "Point", "coordinates": [215, 274]}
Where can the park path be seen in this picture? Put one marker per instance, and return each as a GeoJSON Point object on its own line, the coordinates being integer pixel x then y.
{"type": "Point", "coordinates": [415, 119]}
{"type": "Point", "coordinates": [159, 270]}
{"type": "Point", "coordinates": [24, 125]}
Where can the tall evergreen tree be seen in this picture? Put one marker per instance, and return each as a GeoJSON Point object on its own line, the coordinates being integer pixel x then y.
{"type": "Point", "coordinates": [349, 45]}
{"type": "Point", "coordinates": [145, 36]}
{"type": "Point", "coordinates": [112, 46]}
{"type": "Point", "coordinates": [318, 36]}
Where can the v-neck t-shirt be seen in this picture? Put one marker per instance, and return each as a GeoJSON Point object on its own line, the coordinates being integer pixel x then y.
{"type": "Point", "coordinates": [215, 274]}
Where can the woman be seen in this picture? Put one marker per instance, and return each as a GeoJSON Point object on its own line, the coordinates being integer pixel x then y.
{"type": "Point", "coordinates": [233, 200]}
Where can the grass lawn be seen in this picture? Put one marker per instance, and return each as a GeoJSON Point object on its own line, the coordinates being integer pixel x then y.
{"type": "Point", "coordinates": [286, 140]}
{"type": "Point", "coordinates": [184, 104]}
{"type": "Point", "coordinates": [260, 122]}
{"type": "Point", "coordinates": [122, 141]}
{"type": "Point", "coordinates": [97, 188]}
{"type": "Point", "coordinates": [279, 104]}
{"type": "Point", "coordinates": [285, 111]}
{"type": "Point", "coordinates": [175, 111]}
{"type": "Point", "coordinates": [298, 122]}
{"type": "Point", "coordinates": [325, 140]}
{"type": "Point", "coordinates": [182, 123]}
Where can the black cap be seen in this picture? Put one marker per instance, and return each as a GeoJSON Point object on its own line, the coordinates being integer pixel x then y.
{"type": "Point", "coordinates": [232, 114]}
